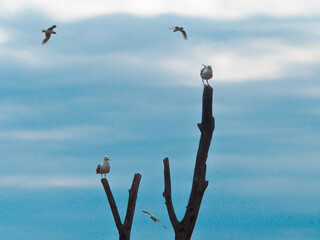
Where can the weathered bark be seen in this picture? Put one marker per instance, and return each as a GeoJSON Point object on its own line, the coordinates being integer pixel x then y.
{"type": "Point", "coordinates": [183, 229]}
{"type": "Point", "coordinates": [125, 228]}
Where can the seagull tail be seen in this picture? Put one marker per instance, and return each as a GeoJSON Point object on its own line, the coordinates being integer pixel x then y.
{"type": "Point", "coordinates": [43, 30]}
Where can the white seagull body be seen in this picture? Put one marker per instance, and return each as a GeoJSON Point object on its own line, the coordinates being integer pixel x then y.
{"type": "Point", "coordinates": [180, 29]}
{"type": "Point", "coordinates": [206, 73]}
{"type": "Point", "coordinates": [104, 167]}
{"type": "Point", "coordinates": [153, 218]}
{"type": "Point", "coordinates": [48, 33]}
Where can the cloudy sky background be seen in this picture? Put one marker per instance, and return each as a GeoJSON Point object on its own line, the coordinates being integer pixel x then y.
{"type": "Point", "coordinates": [116, 81]}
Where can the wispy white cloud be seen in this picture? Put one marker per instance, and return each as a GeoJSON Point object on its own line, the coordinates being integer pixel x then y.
{"type": "Point", "coordinates": [270, 187]}
{"type": "Point", "coordinates": [302, 165]}
{"type": "Point", "coordinates": [268, 176]}
{"type": "Point", "coordinates": [308, 91]}
{"type": "Point", "coordinates": [4, 36]}
{"type": "Point", "coordinates": [239, 59]}
{"type": "Point", "coordinates": [61, 181]}
{"type": "Point", "coordinates": [29, 182]}
{"type": "Point", "coordinates": [85, 132]}
{"type": "Point", "coordinates": [10, 111]}
{"type": "Point", "coordinates": [263, 59]}
{"type": "Point", "coordinates": [37, 57]}
{"type": "Point", "coordinates": [74, 10]}
{"type": "Point", "coordinates": [57, 134]}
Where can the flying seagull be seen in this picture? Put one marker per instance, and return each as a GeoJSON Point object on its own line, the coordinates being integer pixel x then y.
{"type": "Point", "coordinates": [180, 29]}
{"type": "Point", "coordinates": [104, 167]}
{"type": "Point", "coordinates": [153, 218]}
{"type": "Point", "coordinates": [48, 33]}
{"type": "Point", "coordinates": [206, 73]}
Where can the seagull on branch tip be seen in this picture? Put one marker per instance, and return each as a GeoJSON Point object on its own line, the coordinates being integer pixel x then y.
{"type": "Point", "coordinates": [104, 167]}
{"type": "Point", "coordinates": [180, 29]}
{"type": "Point", "coordinates": [153, 218]}
{"type": "Point", "coordinates": [48, 33]}
{"type": "Point", "coordinates": [206, 73]}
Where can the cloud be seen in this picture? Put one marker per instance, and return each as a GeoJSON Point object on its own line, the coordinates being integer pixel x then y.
{"type": "Point", "coordinates": [25, 181]}
{"type": "Point", "coordinates": [57, 134]}
{"type": "Point", "coordinates": [260, 59]}
{"type": "Point", "coordinates": [4, 37]}
{"type": "Point", "coordinates": [12, 111]}
{"type": "Point", "coordinates": [309, 91]}
{"type": "Point", "coordinates": [37, 57]}
{"type": "Point", "coordinates": [239, 52]}
{"type": "Point", "coordinates": [75, 10]}
{"type": "Point", "coordinates": [31, 182]}
{"type": "Point", "coordinates": [251, 60]}
{"type": "Point", "coordinates": [270, 187]}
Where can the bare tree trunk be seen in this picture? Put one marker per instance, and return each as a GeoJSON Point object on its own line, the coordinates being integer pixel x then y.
{"type": "Point", "coordinates": [123, 229]}
{"type": "Point", "coordinates": [183, 229]}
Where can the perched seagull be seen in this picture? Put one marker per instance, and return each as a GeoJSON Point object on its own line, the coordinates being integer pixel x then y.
{"type": "Point", "coordinates": [180, 29]}
{"type": "Point", "coordinates": [104, 167]}
{"type": "Point", "coordinates": [48, 33]}
{"type": "Point", "coordinates": [206, 73]}
{"type": "Point", "coordinates": [153, 218]}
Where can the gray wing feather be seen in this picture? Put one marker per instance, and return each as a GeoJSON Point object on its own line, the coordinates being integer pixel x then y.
{"type": "Point", "coordinates": [146, 212]}
{"type": "Point", "coordinates": [202, 70]}
{"type": "Point", "coordinates": [174, 29]}
{"type": "Point", "coordinates": [98, 169]}
{"type": "Point", "coordinates": [45, 40]}
{"type": "Point", "coordinates": [164, 226]}
{"type": "Point", "coordinates": [184, 34]}
{"type": "Point", "coordinates": [51, 28]}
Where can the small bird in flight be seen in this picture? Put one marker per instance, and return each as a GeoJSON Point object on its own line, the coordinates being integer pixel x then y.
{"type": "Point", "coordinates": [180, 29]}
{"type": "Point", "coordinates": [104, 167]}
{"type": "Point", "coordinates": [48, 33]}
{"type": "Point", "coordinates": [153, 218]}
{"type": "Point", "coordinates": [206, 73]}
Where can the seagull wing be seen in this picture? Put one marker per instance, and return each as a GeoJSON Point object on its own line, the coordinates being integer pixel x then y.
{"type": "Point", "coordinates": [146, 213]}
{"type": "Point", "coordinates": [202, 70]}
{"type": "Point", "coordinates": [51, 28]}
{"type": "Point", "coordinates": [154, 218]}
{"type": "Point", "coordinates": [163, 225]}
{"type": "Point", "coordinates": [48, 35]}
{"type": "Point", "coordinates": [184, 33]}
{"type": "Point", "coordinates": [157, 220]}
{"type": "Point", "coordinates": [174, 29]}
{"type": "Point", "coordinates": [98, 169]}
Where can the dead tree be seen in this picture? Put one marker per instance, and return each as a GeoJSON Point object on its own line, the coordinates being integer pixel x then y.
{"type": "Point", "coordinates": [125, 228]}
{"type": "Point", "coordinates": [183, 229]}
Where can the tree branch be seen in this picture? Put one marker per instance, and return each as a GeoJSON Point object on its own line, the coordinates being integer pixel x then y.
{"type": "Point", "coordinates": [167, 194]}
{"type": "Point", "coordinates": [184, 229]}
{"type": "Point", "coordinates": [133, 193]}
{"type": "Point", "coordinates": [112, 204]}
{"type": "Point", "coordinates": [123, 229]}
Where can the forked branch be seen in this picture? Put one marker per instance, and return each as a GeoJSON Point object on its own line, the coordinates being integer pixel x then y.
{"type": "Point", "coordinates": [123, 229]}
{"type": "Point", "coordinates": [183, 229]}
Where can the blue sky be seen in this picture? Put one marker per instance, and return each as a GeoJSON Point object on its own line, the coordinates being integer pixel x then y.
{"type": "Point", "coordinates": [116, 81]}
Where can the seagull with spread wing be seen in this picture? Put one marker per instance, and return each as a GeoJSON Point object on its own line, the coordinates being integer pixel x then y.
{"type": "Point", "coordinates": [48, 33]}
{"type": "Point", "coordinates": [104, 167]}
{"type": "Point", "coordinates": [180, 29]}
{"type": "Point", "coordinates": [153, 218]}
